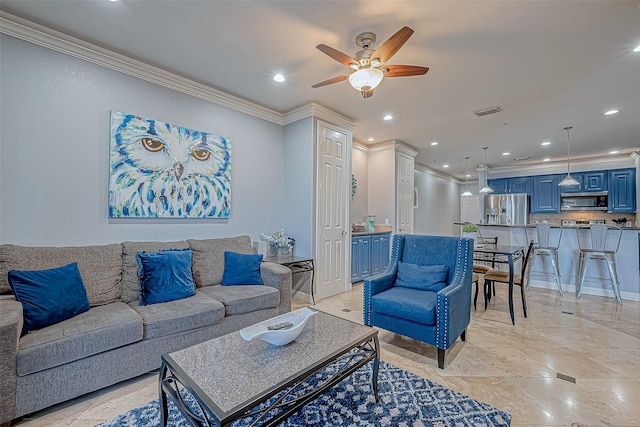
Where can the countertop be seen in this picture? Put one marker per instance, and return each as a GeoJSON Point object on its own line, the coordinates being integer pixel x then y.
{"type": "Point", "coordinates": [366, 233]}
{"type": "Point", "coordinates": [552, 226]}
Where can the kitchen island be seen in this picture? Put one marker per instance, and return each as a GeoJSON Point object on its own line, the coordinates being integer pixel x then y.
{"type": "Point", "coordinates": [627, 261]}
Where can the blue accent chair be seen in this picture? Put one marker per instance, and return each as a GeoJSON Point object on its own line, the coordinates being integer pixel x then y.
{"type": "Point", "coordinates": [437, 318]}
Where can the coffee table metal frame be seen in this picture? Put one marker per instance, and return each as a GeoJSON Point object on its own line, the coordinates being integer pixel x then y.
{"type": "Point", "coordinates": [172, 378]}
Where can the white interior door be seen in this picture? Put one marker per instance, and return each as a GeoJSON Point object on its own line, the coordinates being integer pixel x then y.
{"type": "Point", "coordinates": [333, 252]}
{"type": "Point", "coordinates": [470, 209]}
{"type": "Point", "coordinates": [404, 193]}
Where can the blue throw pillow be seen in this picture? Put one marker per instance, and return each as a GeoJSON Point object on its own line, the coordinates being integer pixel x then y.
{"type": "Point", "coordinates": [241, 269]}
{"type": "Point", "coordinates": [49, 296]}
{"type": "Point", "coordinates": [423, 277]}
{"type": "Point", "coordinates": [165, 275]}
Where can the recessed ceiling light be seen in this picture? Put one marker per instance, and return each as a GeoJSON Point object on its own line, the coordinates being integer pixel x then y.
{"type": "Point", "coordinates": [113, 0]}
{"type": "Point", "coordinates": [637, 49]}
{"type": "Point", "coordinates": [546, 159]}
{"type": "Point", "coordinates": [468, 175]}
{"type": "Point", "coordinates": [546, 143]}
{"type": "Point", "coordinates": [434, 143]}
{"type": "Point", "coordinates": [388, 117]}
{"type": "Point", "coordinates": [614, 151]}
{"type": "Point", "coordinates": [506, 153]}
{"type": "Point", "coordinates": [370, 139]}
{"type": "Point", "coordinates": [445, 165]}
{"type": "Point", "coordinates": [610, 112]}
{"type": "Point", "coordinates": [279, 78]}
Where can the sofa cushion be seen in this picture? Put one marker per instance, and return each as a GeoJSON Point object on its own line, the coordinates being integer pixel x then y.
{"type": "Point", "coordinates": [49, 296]}
{"type": "Point", "coordinates": [208, 257]}
{"type": "Point", "coordinates": [422, 277]}
{"type": "Point", "coordinates": [241, 269]}
{"type": "Point", "coordinates": [243, 299]}
{"type": "Point", "coordinates": [97, 330]}
{"type": "Point", "coordinates": [100, 267]}
{"type": "Point", "coordinates": [130, 283]}
{"type": "Point", "coordinates": [165, 275]}
{"type": "Point", "coordinates": [177, 316]}
{"type": "Point", "coordinates": [406, 303]}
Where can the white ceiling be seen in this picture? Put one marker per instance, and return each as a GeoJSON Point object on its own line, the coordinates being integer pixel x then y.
{"type": "Point", "coordinates": [547, 64]}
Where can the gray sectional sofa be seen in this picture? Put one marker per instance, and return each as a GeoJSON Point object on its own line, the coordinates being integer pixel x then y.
{"type": "Point", "coordinates": [117, 338]}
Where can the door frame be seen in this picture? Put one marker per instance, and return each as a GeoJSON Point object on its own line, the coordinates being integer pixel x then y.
{"type": "Point", "coordinates": [319, 125]}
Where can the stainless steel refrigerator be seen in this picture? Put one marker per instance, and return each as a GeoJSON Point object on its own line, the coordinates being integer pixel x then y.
{"type": "Point", "coordinates": [506, 209]}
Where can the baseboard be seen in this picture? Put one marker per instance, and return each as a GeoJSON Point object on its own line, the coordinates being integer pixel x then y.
{"type": "Point", "coordinates": [586, 290]}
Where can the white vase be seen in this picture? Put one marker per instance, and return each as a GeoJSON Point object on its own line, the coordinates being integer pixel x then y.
{"type": "Point", "coordinates": [471, 235]}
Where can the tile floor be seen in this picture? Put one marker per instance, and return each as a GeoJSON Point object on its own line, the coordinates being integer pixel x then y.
{"type": "Point", "coordinates": [571, 360]}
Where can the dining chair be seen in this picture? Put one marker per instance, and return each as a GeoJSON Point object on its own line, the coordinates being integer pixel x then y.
{"type": "Point", "coordinates": [545, 248]}
{"type": "Point", "coordinates": [598, 246]}
{"type": "Point", "coordinates": [493, 276]}
{"type": "Point", "coordinates": [485, 265]}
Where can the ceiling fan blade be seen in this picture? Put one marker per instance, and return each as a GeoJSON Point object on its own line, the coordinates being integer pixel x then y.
{"type": "Point", "coordinates": [404, 70]}
{"type": "Point", "coordinates": [392, 45]}
{"type": "Point", "coordinates": [331, 81]}
{"type": "Point", "coordinates": [342, 58]}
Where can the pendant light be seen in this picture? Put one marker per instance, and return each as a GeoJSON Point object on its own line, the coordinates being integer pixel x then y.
{"type": "Point", "coordinates": [467, 193]}
{"type": "Point", "coordinates": [568, 180]}
{"type": "Point", "coordinates": [486, 188]}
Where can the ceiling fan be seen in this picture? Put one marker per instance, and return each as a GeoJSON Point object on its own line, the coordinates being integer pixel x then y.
{"type": "Point", "coordinates": [368, 67]}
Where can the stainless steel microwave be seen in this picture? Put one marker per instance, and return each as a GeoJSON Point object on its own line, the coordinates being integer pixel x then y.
{"type": "Point", "coordinates": [596, 201]}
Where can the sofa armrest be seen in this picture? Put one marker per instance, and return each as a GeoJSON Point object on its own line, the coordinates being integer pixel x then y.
{"type": "Point", "coordinates": [279, 277]}
{"type": "Point", "coordinates": [10, 329]}
{"type": "Point", "coordinates": [453, 304]}
{"type": "Point", "coordinates": [374, 285]}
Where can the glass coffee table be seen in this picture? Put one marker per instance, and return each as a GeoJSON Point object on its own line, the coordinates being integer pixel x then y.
{"type": "Point", "coordinates": [229, 377]}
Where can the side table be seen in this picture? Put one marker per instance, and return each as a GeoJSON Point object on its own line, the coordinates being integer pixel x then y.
{"type": "Point", "coordinates": [297, 265]}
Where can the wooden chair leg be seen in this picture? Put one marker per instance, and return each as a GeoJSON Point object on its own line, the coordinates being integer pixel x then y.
{"type": "Point", "coordinates": [441, 354]}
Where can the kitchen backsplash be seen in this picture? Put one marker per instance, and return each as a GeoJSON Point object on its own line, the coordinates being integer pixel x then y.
{"type": "Point", "coordinates": [557, 218]}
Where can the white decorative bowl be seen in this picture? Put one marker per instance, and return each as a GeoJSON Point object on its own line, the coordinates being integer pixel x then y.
{"type": "Point", "coordinates": [260, 330]}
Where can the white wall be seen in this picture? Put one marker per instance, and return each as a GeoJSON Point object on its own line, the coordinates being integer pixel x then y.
{"type": "Point", "coordinates": [438, 205]}
{"type": "Point", "coordinates": [381, 191]}
{"type": "Point", "coordinates": [299, 185]}
{"type": "Point", "coordinates": [360, 169]}
{"type": "Point", "coordinates": [54, 147]}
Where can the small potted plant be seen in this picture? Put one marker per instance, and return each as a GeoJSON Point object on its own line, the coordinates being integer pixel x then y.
{"type": "Point", "coordinates": [470, 231]}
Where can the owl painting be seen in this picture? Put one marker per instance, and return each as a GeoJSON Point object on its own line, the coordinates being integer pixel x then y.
{"type": "Point", "coordinates": [161, 170]}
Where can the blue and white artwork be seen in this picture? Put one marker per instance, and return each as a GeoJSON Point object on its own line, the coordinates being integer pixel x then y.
{"type": "Point", "coordinates": [160, 170]}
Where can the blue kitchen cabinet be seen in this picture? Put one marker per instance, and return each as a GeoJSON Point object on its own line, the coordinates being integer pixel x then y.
{"type": "Point", "coordinates": [379, 253]}
{"type": "Point", "coordinates": [360, 257]}
{"type": "Point", "coordinates": [594, 181]}
{"type": "Point", "coordinates": [622, 190]}
{"type": "Point", "coordinates": [518, 184]}
{"type": "Point", "coordinates": [545, 194]}
{"type": "Point", "coordinates": [589, 182]}
{"type": "Point", "coordinates": [498, 185]}
{"type": "Point", "coordinates": [369, 255]}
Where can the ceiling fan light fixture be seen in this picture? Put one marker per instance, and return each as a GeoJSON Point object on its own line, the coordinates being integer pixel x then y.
{"type": "Point", "coordinates": [366, 79]}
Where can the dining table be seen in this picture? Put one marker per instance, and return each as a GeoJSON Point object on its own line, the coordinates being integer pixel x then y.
{"type": "Point", "coordinates": [502, 254]}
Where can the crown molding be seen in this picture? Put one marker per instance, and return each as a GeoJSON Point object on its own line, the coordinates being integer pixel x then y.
{"type": "Point", "coordinates": [623, 160]}
{"type": "Point", "coordinates": [320, 112]}
{"type": "Point", "coordinates": [426, 169]}
{"type": "Point", "coordinates": [46, 37]}
{"type": "Point", "coordinates": [388, 145]}
{"type": "Point", "coordinates": [360, 147]}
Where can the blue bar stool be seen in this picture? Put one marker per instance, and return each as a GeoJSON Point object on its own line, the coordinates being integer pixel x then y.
{"type": "Point", "coordinates": [599, 248]}
{"type": "Point", "coordinates": [545, 247]}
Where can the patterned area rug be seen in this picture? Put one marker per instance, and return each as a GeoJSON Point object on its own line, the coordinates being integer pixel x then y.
{"type": "Point", "coordinates": [406, 400]}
